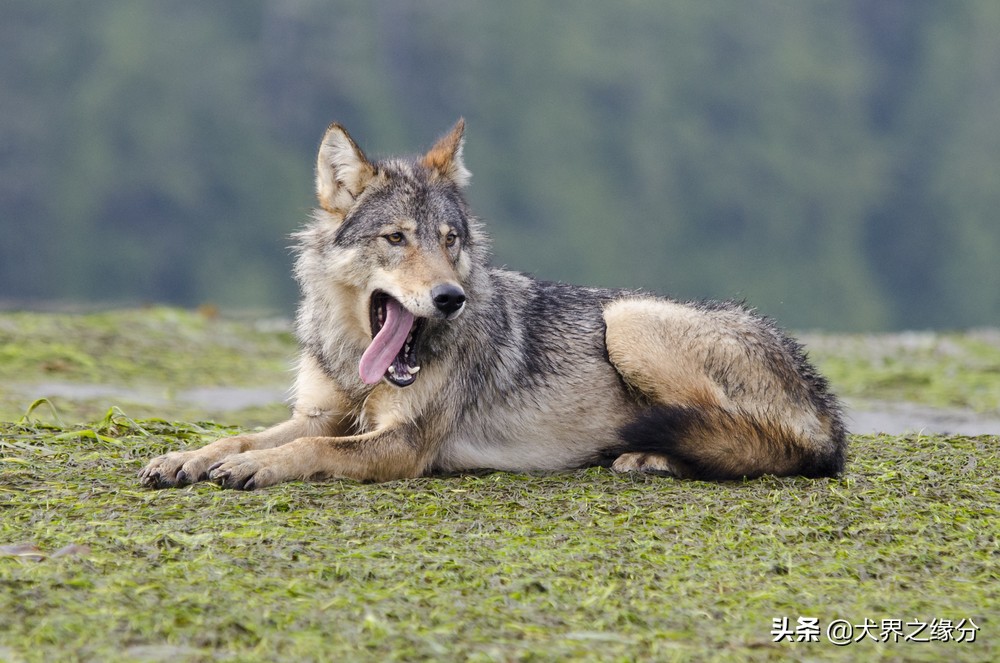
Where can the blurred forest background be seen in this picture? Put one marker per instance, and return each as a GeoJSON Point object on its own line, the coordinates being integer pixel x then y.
{"type": "Point", "coordinates": [837, 164]}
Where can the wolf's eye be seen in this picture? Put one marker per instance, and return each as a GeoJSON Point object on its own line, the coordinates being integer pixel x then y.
{"type": "Point", "coordinates": [450, 239]}
{"type": "Point", "coordinates": [394, 238]}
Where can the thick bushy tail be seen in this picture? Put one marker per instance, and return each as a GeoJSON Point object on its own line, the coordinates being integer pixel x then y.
{"type": "Point", "coordinates": [717, 443]}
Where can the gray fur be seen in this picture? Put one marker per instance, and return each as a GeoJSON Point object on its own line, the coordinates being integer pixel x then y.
{"type": "Point", "coordinates": [530, 375]}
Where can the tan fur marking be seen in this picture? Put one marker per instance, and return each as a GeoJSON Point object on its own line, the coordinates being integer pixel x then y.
{"type": "Point", "coordinates": [381, 455]}
{"type": "Point", "coordinates": [445, 158]}
{"type": "Point", "coordinates": [464, 266]}
{"type": "Point", "coordinates": [404, 224]}
{"type": "Point", "coordinates": [411, 282]}
{"type": "Point", "coordinates": [644, 462]}
{"type": "Point", "coordinates": [644, 340]}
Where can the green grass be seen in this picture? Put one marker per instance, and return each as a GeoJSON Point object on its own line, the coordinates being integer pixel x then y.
{"type": "Point", "coordinates": [154, 345]}
{"type": "Point", "coordinates": [487, 567]}
{"type": "Point", "coordinates": [149, 355]}
{"type": "Point", "coordinates": [936, 369]}
{"type": "Point", "coordinates": [585, 565]}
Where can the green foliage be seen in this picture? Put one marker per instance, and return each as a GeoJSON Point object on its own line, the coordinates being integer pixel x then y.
{"type": "Point", "coordinates": [833, 163]}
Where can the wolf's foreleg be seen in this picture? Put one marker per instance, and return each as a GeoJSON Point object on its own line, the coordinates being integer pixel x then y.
{"type": "Point", "coordinates": [381, 455]}
{"type": "Point", "coordinates": [183, 467]}
{"type": "Point", "coordinates": [320, 409]}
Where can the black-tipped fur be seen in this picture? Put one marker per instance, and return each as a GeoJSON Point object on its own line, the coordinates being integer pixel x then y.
{"type": "Point", "coordinates": [736, 436]}
{"type": "Point", "coordinates": [716, 444]}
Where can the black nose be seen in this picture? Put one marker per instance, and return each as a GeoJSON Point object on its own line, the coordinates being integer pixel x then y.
{"type": "Point", "coordinates": [448, 298]}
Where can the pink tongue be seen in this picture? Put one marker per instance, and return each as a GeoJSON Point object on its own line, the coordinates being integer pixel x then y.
{"type": "Point", "coordinates": [387, 343]}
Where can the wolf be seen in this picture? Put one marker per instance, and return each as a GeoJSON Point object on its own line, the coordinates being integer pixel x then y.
{"type": "Point", "coordinates": [419, 357]}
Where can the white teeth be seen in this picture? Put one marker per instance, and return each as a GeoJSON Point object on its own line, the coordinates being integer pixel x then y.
{"type": "Point", "coordinates": [407, 371]}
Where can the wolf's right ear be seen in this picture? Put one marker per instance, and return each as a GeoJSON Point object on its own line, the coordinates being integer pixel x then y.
{"type": "Point", "coordinates": [445, 158]}
{"type": "Point", "coordinates": [342, 171]}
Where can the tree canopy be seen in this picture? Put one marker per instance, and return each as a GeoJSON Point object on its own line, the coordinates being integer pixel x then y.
{"type": "Point", "coordinates": [834, 164]}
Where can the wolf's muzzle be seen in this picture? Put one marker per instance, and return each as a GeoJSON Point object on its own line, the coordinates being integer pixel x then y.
{"type": "Point", "coordinates": [448, 298]}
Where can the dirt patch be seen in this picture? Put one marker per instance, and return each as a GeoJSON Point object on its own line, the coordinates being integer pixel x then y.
{"type": "Point", "coordinates": [867, 418]}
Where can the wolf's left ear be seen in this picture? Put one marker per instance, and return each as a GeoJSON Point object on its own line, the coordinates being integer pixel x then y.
{"type": "Point", "coordinates": [445, 158]}
{"type": "Point", "coordinates": [342, 171]}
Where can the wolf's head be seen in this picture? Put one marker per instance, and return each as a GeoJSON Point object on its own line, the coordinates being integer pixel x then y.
{"type": "Point", "coordinates": [392, 246]}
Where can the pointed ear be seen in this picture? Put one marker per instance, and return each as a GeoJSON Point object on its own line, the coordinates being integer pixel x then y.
{"type": "Point", "coordinates": [342, 171]}
{"type": "Point", "coordinates": [445, 158]}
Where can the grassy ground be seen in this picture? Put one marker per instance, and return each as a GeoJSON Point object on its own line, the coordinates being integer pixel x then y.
{"type": "Point", "coordinates": [148, 355]}
{"type": "Point", "coordinates": [935, 369]}
{"type": "Point", "coordinates": [490, 567]}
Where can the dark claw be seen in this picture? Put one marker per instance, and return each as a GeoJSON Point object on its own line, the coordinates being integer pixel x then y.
{"type": "Point", "coordinates": [150, 479]}
{"type": "Point", "coordinates": [182, 477]}
{"type": "Point", "coordinates": [157, 481]}
{"type": "Point", "coordinates": [215, 466]}
{"type": "Point", "coordinates": [250, 484]}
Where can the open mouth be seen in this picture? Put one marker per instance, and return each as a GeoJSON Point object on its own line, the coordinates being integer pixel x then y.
{"type": "Point", "coordinates": [392, 352]}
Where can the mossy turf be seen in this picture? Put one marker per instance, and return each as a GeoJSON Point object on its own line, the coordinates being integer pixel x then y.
{"type": "Point", "coordinates": [928, 368]}
{"type": "Point", "coordinates": [146, 357]}
{"type": "Point", "coordinates": [135, 346]}
{"type": "Point", "coordinates": [493, 567]}
{"type": "Point", "coordinates": [583, 565]}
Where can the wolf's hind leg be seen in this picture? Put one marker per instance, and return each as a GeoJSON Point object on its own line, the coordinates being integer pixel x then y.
{"type": "Point", "coordinates": [729, 395]}
{"type": "Point", "coordinates": [649, 463]}
{"type": "Point", "coordinates": [652, 351]}
{"type": "Point", "coordinates": [659, 348]}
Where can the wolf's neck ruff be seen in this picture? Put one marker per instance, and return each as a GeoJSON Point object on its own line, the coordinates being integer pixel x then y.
{"type": "Point", "coordinates": [396, 325]}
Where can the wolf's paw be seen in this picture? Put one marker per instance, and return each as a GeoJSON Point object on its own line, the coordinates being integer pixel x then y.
{"type": "Point", "coordinates": [177, 468]}
{"type": "Point", "coordinates": [247, 471]}
{"type": "Point", "coordinates": [645, 462]}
